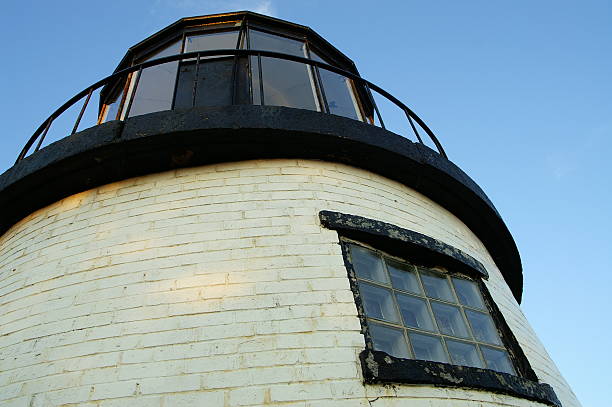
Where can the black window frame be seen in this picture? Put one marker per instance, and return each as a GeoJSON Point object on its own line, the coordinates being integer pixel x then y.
{"type": "Point", "coordinates": [418, 249]}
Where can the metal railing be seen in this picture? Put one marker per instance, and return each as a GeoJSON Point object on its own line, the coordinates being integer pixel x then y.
{"type": "Point", "coordinates": [39, 135]}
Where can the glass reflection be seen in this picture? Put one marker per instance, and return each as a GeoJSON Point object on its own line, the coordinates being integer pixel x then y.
{"type": "Point", "coordinates": [414, 312]}
{"type": "Point", "coordinates": [378, 303]}
{"type": "Point", "coordinates": [155, 88]}
{"type": "Point", "coordinates": [436, 285]}
{"type": "Point", "coordinates": [468, 293]}
{"type": "Point", "coordinates": [403, 277]}
{"type": "Point", "coordinates": [449, 319]}
{"type": "Point", "coordinates": [428, 348]}
{"type": "Point", "coordinates": [180, 84]}
{"type": "Point", "coordinates": [482, 327]}
{"type": "Point", "coordinates": [389, 340]}
{"type": "Point", "coordinates": [285, 83]}
{"type": "Point", "coordinates": [111, 109]}
{"type": "Point", "coordinates": [464, 354]}
{"type": "Point", "coordinates": [368, 265]}
{"type": "Point", "coordinates": [211, 41]}
{"type": "Point", "coordinates": [213, 85]}
{"type": "Point", "coordinates": [497, 360]}
{"type": "Point", "coordinates": [338, 92]}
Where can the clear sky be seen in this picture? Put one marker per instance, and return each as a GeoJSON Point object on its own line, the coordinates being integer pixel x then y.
{"type": "Point", "coordinates": [519, 92]}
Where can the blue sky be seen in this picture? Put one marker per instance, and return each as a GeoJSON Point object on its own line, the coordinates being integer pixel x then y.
{"type": "Point", "coordinates": [518, 92]}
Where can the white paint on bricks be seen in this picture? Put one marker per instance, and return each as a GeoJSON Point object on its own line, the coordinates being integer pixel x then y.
{"type": "Point", "coordinates": [213, 286]}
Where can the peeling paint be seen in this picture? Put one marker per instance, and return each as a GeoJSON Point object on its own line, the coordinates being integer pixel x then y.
{"type": "Point", "coordinates": [379, 367]}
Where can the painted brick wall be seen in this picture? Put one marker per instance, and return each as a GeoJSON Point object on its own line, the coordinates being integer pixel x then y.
{"type": "Point", "coordinates": [213, 286]}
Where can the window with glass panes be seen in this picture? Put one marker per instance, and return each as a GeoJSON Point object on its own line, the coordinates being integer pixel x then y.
{"type": "Point", "coordinates": [422, 313]}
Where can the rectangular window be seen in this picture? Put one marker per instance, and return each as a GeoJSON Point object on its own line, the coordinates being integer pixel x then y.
{"type": "Point", "coordinates": [209, 83]}
{"type": "Point", "coordinates": [339, 92]}
{"type": "Point", "coordinates": [155, 88]}
{"type": "Point", "coordinates": [285, 83]}
{"type": "Point", "coordinates": [416, 312]}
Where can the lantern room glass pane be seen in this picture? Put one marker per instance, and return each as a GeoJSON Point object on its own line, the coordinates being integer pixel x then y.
{"type": "Point", "coordinates": [338, 91]}
{"type": "Point", "coordinates": [211, 41]}
{"type": "Point", "coordinates": [285, 83]}
{"type": "Point", "coordinates": [427, 347]}
{"type": "Point", "coordinates": [213, 85]}
{"type": "Point", "coordinates": [368, 265]}
{"type": "Point", "coordinates": [111, 109]}
{"type": "Point", "coordinates": [155, 89]}
{"type": "Point", "coordinates": [464, 354]}
{"type": "Point", "coordinates": [468, 293]}
{"type": "Point", "coordinates": [264, 41]}
{"type": "Point", "coordinates": [378, 303]}
{"type": "Point", "coordinates": [389, 340]}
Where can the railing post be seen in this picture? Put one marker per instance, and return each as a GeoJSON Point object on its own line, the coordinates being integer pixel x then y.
{"type": "Point", "coordinates": [382, 124]}
{"type": "Point", "coordinates": [414, 129]}
{"type": "Point", "coordinates": [195, 81]}
{"type": "Point", "coordinates": [261, 87]}
{"type": "Point", "coordinates": [78, 120]}
{"type": "Point", "coordinates": [42, 136]}
{"type": "Point", "coordinates": [132, 82]}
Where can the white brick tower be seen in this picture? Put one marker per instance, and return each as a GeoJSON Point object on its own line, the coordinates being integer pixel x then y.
{"type": "Point", "coordinates": [239, 229]}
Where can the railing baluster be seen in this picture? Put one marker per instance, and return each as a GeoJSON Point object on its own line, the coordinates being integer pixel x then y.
{"type": "Point", "coordinates": [78, 120]}
{"type": "Point", "coordinates": [41, 132]}
{"type": "Point", "coordinates": [413, 127]}
{"type": "Point", "coordinates": [249, 58]}
{"type": "Point", "coordinates": [382, 124]}
{"type": "Point", "coordinates": [195, 81]}
{"type": "Point", "coordinates": [42, 136]}
{"type": "Point", "coordinates": [234, 76]}
{"type": "Point", "coordinates": [261, 86]}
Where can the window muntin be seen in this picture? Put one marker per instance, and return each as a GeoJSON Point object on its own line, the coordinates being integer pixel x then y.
{"type": "Point", "coordinates": [440, 317]}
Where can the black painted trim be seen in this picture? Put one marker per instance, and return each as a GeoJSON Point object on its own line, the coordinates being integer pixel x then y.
{"type": "Point", "coordinates": [425, 249]}
{"type": "Point", "coordinates": [166, 140]}
{"type": "Point", "coordinates": [432, 260]}
{"type": "Point", "coordinates": [379, 367]}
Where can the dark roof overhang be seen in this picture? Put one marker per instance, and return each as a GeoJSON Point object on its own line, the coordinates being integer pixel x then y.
{"type": "Point", "coordinates": [175, 30]}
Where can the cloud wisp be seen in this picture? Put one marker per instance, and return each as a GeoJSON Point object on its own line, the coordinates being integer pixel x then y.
{"type": "Point", "coordinates": [197, 7]}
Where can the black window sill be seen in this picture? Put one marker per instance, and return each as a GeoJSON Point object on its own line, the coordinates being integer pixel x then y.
{"type": "Point", "coordinates": [379, 367]}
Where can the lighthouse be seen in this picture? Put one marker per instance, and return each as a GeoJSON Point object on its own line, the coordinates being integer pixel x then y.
{"type": "Point", "coordinates": [238, 227]}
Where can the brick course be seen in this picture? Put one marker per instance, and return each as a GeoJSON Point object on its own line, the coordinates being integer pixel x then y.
{"type": "Point", "coordinates": [214, 286]}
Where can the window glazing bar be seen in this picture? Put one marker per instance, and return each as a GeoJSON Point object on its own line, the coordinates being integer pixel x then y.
{"type": "Point", "coordinates": [133, 95]}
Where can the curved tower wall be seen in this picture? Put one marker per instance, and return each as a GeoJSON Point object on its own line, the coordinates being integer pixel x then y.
{"type": "Point", "coordinates": [214, 285]}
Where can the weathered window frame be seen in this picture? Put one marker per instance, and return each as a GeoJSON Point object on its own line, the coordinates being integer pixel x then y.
{"type": "Point", "coordinates": [379, 367]}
